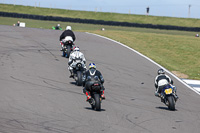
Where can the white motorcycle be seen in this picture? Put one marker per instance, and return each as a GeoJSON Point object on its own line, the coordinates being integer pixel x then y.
{"type": "Point", "coordinates": [78, 70]}
{"type": "Point", "coordinates": [67, 46]}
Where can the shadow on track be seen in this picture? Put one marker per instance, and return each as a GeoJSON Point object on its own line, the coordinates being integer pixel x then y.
{"type": "Point", "coordinates": [88, 108]}
{"type": "Point", "coordinates": [73, 83]}
{"type": "Point", "coordinates": [166, 108]}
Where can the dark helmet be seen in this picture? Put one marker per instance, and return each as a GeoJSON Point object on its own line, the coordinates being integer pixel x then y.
{"type": "Point", "coordinates": [161, 71]}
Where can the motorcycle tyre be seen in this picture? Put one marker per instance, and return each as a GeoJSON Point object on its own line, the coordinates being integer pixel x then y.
{"type": "Point", "coordinates": [171, 101]}
{"type": "Point", "coordinates": [68, 50]}
{"type": "Point", "coordinates": [97, 102]}
{"type": "Point", "coordinates": [79, 78]}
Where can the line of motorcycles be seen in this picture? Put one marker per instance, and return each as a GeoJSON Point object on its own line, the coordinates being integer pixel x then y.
{"type": "Point", "coordinates": [168, 96]}
{"type": "Point", "coordinates": [79, 71]}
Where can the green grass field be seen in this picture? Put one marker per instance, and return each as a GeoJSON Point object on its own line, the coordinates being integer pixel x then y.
{"type": "Point", "coordinates": [186, 22]}
{"type": "Point", "coordinates": [175, 50]}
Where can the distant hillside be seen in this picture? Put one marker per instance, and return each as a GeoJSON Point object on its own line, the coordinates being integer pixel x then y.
{"type": "Point", "coordinates": [142, 19]}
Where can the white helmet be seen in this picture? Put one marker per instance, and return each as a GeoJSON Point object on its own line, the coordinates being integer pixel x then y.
{"type": "Point", "coordinates": [68, 28]}
{"type": "Point", "coordinates": [58, 25]}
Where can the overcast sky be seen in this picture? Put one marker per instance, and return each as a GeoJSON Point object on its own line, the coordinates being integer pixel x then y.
{"type": "Point", "coordinates": [172, 8]}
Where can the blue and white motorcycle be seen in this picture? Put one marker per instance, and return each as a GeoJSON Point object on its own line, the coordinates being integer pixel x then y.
{"type": "Point", "coordinates": [169, 97]}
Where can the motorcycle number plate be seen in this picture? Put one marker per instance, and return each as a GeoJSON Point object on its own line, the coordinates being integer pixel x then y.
{"type": "Point", "coordinates": [96, 84]}
{"type": "Point", "coordinates": [168, 91]}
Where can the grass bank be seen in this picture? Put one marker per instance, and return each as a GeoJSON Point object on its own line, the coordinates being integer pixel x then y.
{"type": "Point", "coordinates": [186, 22]}
{"type": "Point", "coordinates": [175, 50]}
{"type": "Point", "coordinates": [178, 53]}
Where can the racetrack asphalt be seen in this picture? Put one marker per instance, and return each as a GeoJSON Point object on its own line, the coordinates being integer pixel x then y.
{"type": "Point", "coordinates": [37, 95]}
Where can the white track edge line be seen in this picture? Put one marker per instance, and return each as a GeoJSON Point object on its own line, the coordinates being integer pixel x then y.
{"type": "Point", "coordinates": [147, 59]}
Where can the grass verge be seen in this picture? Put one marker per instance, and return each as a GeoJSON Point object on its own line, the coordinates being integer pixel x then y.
{"type": "Point", "coordinates": [175, 50]}
{"type": "Point", "coordinates": [185, 22]}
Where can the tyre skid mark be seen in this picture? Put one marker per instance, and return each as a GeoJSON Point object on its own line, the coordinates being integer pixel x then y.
{"type": "Point", "coordinates": [137, 124]}
{"type": "Point", "coordinates": [50, 87]}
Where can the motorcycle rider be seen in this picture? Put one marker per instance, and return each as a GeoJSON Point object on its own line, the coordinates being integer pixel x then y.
{"type": "Point", "coordinates": [91, 73]}
{"type": "Point", "coordinates": [67, 32]}
{"type": "Point", "coordinates": [161, 81]}
{"type": "Point", "coordinates": [74, 56]}
{"type": "Point", "coordinates": [57, 27]}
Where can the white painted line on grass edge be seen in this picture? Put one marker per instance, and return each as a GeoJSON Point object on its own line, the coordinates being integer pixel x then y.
{"type": "Point", "coordinates": [147, 59]}
{"type": "Point", "coordinates": [193, 83]}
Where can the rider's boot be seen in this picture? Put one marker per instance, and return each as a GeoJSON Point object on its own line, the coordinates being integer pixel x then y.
{"type": "Point", "coordinates": [102, 95]}
{"type": "Point", "coordinates": [162, 96]}
{"type": "Point", "coordinates": [176, 96]}
{"type": "Point", "coordinates": [88, 96]}
{"type": "Point", "coordinates": [61, 46]}
{"type": "Point", "coordinates": [72, 74]}
{"type": "Point", "coordinates": [157, 94]}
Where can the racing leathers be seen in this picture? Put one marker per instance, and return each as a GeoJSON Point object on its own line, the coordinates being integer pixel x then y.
{"type": "Point", "coordinates": [87, 82]}
{"type": "Point", "coordinates": [65, 34]}
{"type": "Point", "coordinates": [74, 58]}
{"type": "Point", "coordinates": [160, 82]}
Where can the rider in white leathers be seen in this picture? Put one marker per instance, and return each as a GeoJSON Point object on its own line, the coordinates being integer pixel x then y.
{"type": "Point", "coordinates": [75, 57]}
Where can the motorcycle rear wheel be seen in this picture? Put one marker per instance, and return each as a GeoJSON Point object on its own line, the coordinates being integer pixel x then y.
{"type": "Point", "coordinates": [171, 101]}
{"type": "Point", "coordinates": [68, 50]}
{"type": "Point", "coordinates": [97, 102]}
{"type": "Point", "coordinates": [79, 78]}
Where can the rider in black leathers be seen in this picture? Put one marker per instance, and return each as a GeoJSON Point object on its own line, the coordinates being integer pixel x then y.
{"type": "Point", "coordinates": [68, 32]}
{"type": "Point", "coordinates": [92, 73]}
